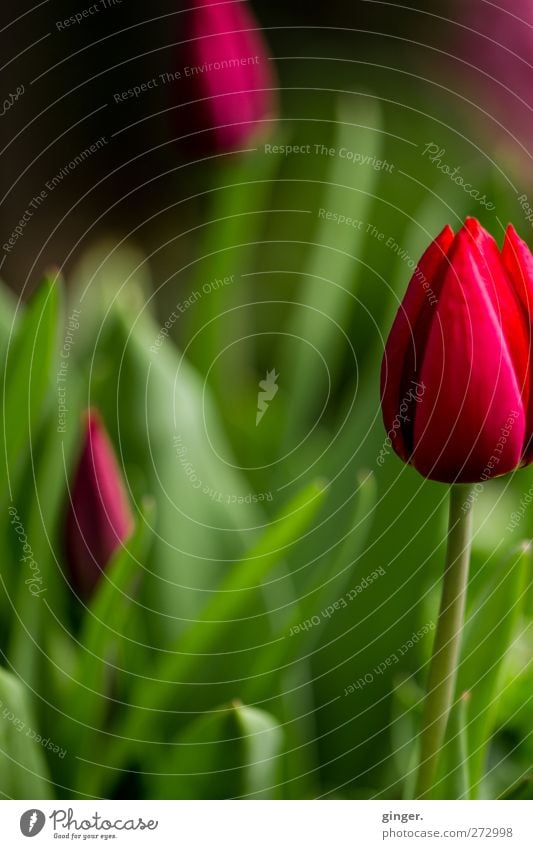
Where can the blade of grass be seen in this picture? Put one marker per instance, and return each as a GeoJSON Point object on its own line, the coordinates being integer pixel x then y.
{"type": "Point", "coordinates": [108, 615]}
{"type": "Point", "coordinates": [231, 752]}
{"type": "Point", "coordinates": [235, 219]}
{"type": "Point", "coordinates": [453, 780]}
{"type": "Point", "coordinates": [27, 384]}
{"type": "Point", "coordinates": [23, 771]}
{"type": "Point", "coordinates": [202, 527]}
{"type": "Point", "coordinates": [262, 741]}
{"type": "Point", "coordinates": [10, 313]}
{"type": "Point", "coordinates": [487, 638]}
{"type": "Point", "coordinates": [45, 482]}
{"type": "Point", "coordinates": [327, 303]}
{"type": "Point", "coordinates": [285, 648]}
{"type": "Point", "coordinates": [28, 372]}
{"type": "Point", "coordinates": [166, 685]}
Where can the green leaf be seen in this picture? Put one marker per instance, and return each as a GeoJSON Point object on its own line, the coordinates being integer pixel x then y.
{"type": "Point", "coordinates": [23, 771]}
{"type": "Point", "coordinates": [28, 373]}
{"type": "Point", "coordinates": [27, 384]}
{"type": "Point", "coordinates": [262, 740]}
{"type": "Point", "coordinates": [241, 584]}
{"type": "Point", "coordinates": [406, 709]}
{"type": "Point", "coordinates": [453, 780]}
{"type": "Point", "coordinates": [164, 687]}
{"type": "Point", "coordinates": [101, 654]}
{"type": "Point", "coordinates": [39, 607]}
{"type": "Point", "coordinates": [327, 297]}
{"type": "Point", "coordinates": [233, 226]}
{"type": "Point", "coordinates": [283, 665]}
{"type": "Point", "coordinates": [293, 642]}
{"type": "Point", "coordinates": [10, 313]}
{"type": "Point", "coordinates": [521, 789]}
{"type": "Point", "coordinates": [107, 274]}
{"type": "Point", "coordinates": [514, 695]}
{"type": "Point", "coordinates": [205, 512]}
{"type": "Point", "coordinates": [233, 752]}
{"type": "Point", "coordinates": [488, 635]}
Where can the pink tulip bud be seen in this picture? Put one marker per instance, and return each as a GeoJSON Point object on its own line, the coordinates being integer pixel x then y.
{"type": "Point", "coordinates": [99, 517]}
{"type": "Point", "coordinates": [496, 41]}
{"type": "Point", "coordinates": [226, 88]}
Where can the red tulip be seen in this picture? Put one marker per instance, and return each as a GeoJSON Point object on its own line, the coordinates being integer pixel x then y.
{"type": "Point", "coordinates": [455, 377]}
{"type": "Point", "coordinates": [99, 517]}
{"type": "Point", "coordinates": [226, 88]}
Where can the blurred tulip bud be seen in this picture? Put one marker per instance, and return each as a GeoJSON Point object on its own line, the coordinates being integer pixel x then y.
{"type": "Point", "coordinates": [99, 517]}
{"type": "Point", "coordinates": [455, 378]}
{"type": "Point", "coordinates": [496, 41]}
{"type": "Point", "coordinates": [226, 86]}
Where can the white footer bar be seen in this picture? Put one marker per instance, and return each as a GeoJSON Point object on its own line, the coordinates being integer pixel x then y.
{"type": "Point", "coordinates": [268, 825]}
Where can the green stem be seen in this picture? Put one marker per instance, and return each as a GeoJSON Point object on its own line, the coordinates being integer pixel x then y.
{"type": "Point", "coordinates": [443, 668]}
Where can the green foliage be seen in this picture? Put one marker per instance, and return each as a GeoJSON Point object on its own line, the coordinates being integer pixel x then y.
{"type": "Point", "coordinates": [23, 771]}
{"type": "Point", "coordinates": [233, 752]}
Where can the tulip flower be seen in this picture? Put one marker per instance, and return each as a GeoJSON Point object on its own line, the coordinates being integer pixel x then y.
{"type": "Point", "coordinates": [455, 378]}
{"type": "Point", "coordinates": [99, 519]}
{"type": "Point", "coordinates": [226, 86]}
{"type": "Point", "coordinates": [457, 405]}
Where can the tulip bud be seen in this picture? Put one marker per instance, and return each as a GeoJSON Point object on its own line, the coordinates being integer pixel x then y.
{"type": "Point", "coordinates": [99, 517]}
{"type": "Point", "coordinates": [455, 377]}
{"type": "Point", "coordinates": [226, 86]}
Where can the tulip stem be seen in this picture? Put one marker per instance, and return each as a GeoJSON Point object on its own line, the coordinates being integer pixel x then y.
{"type": "Point", "coordinates": [445, 658]}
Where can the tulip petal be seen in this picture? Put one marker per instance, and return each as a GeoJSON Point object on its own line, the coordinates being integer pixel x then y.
{"type": "Point", "coordinates": [507, 301]}
{"type": "Point", "coordinates": [402, 351]}
{"type": "Point", "coordinates": [470, 422]}
{"type": "Point", "coordinates": [518, 261]}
